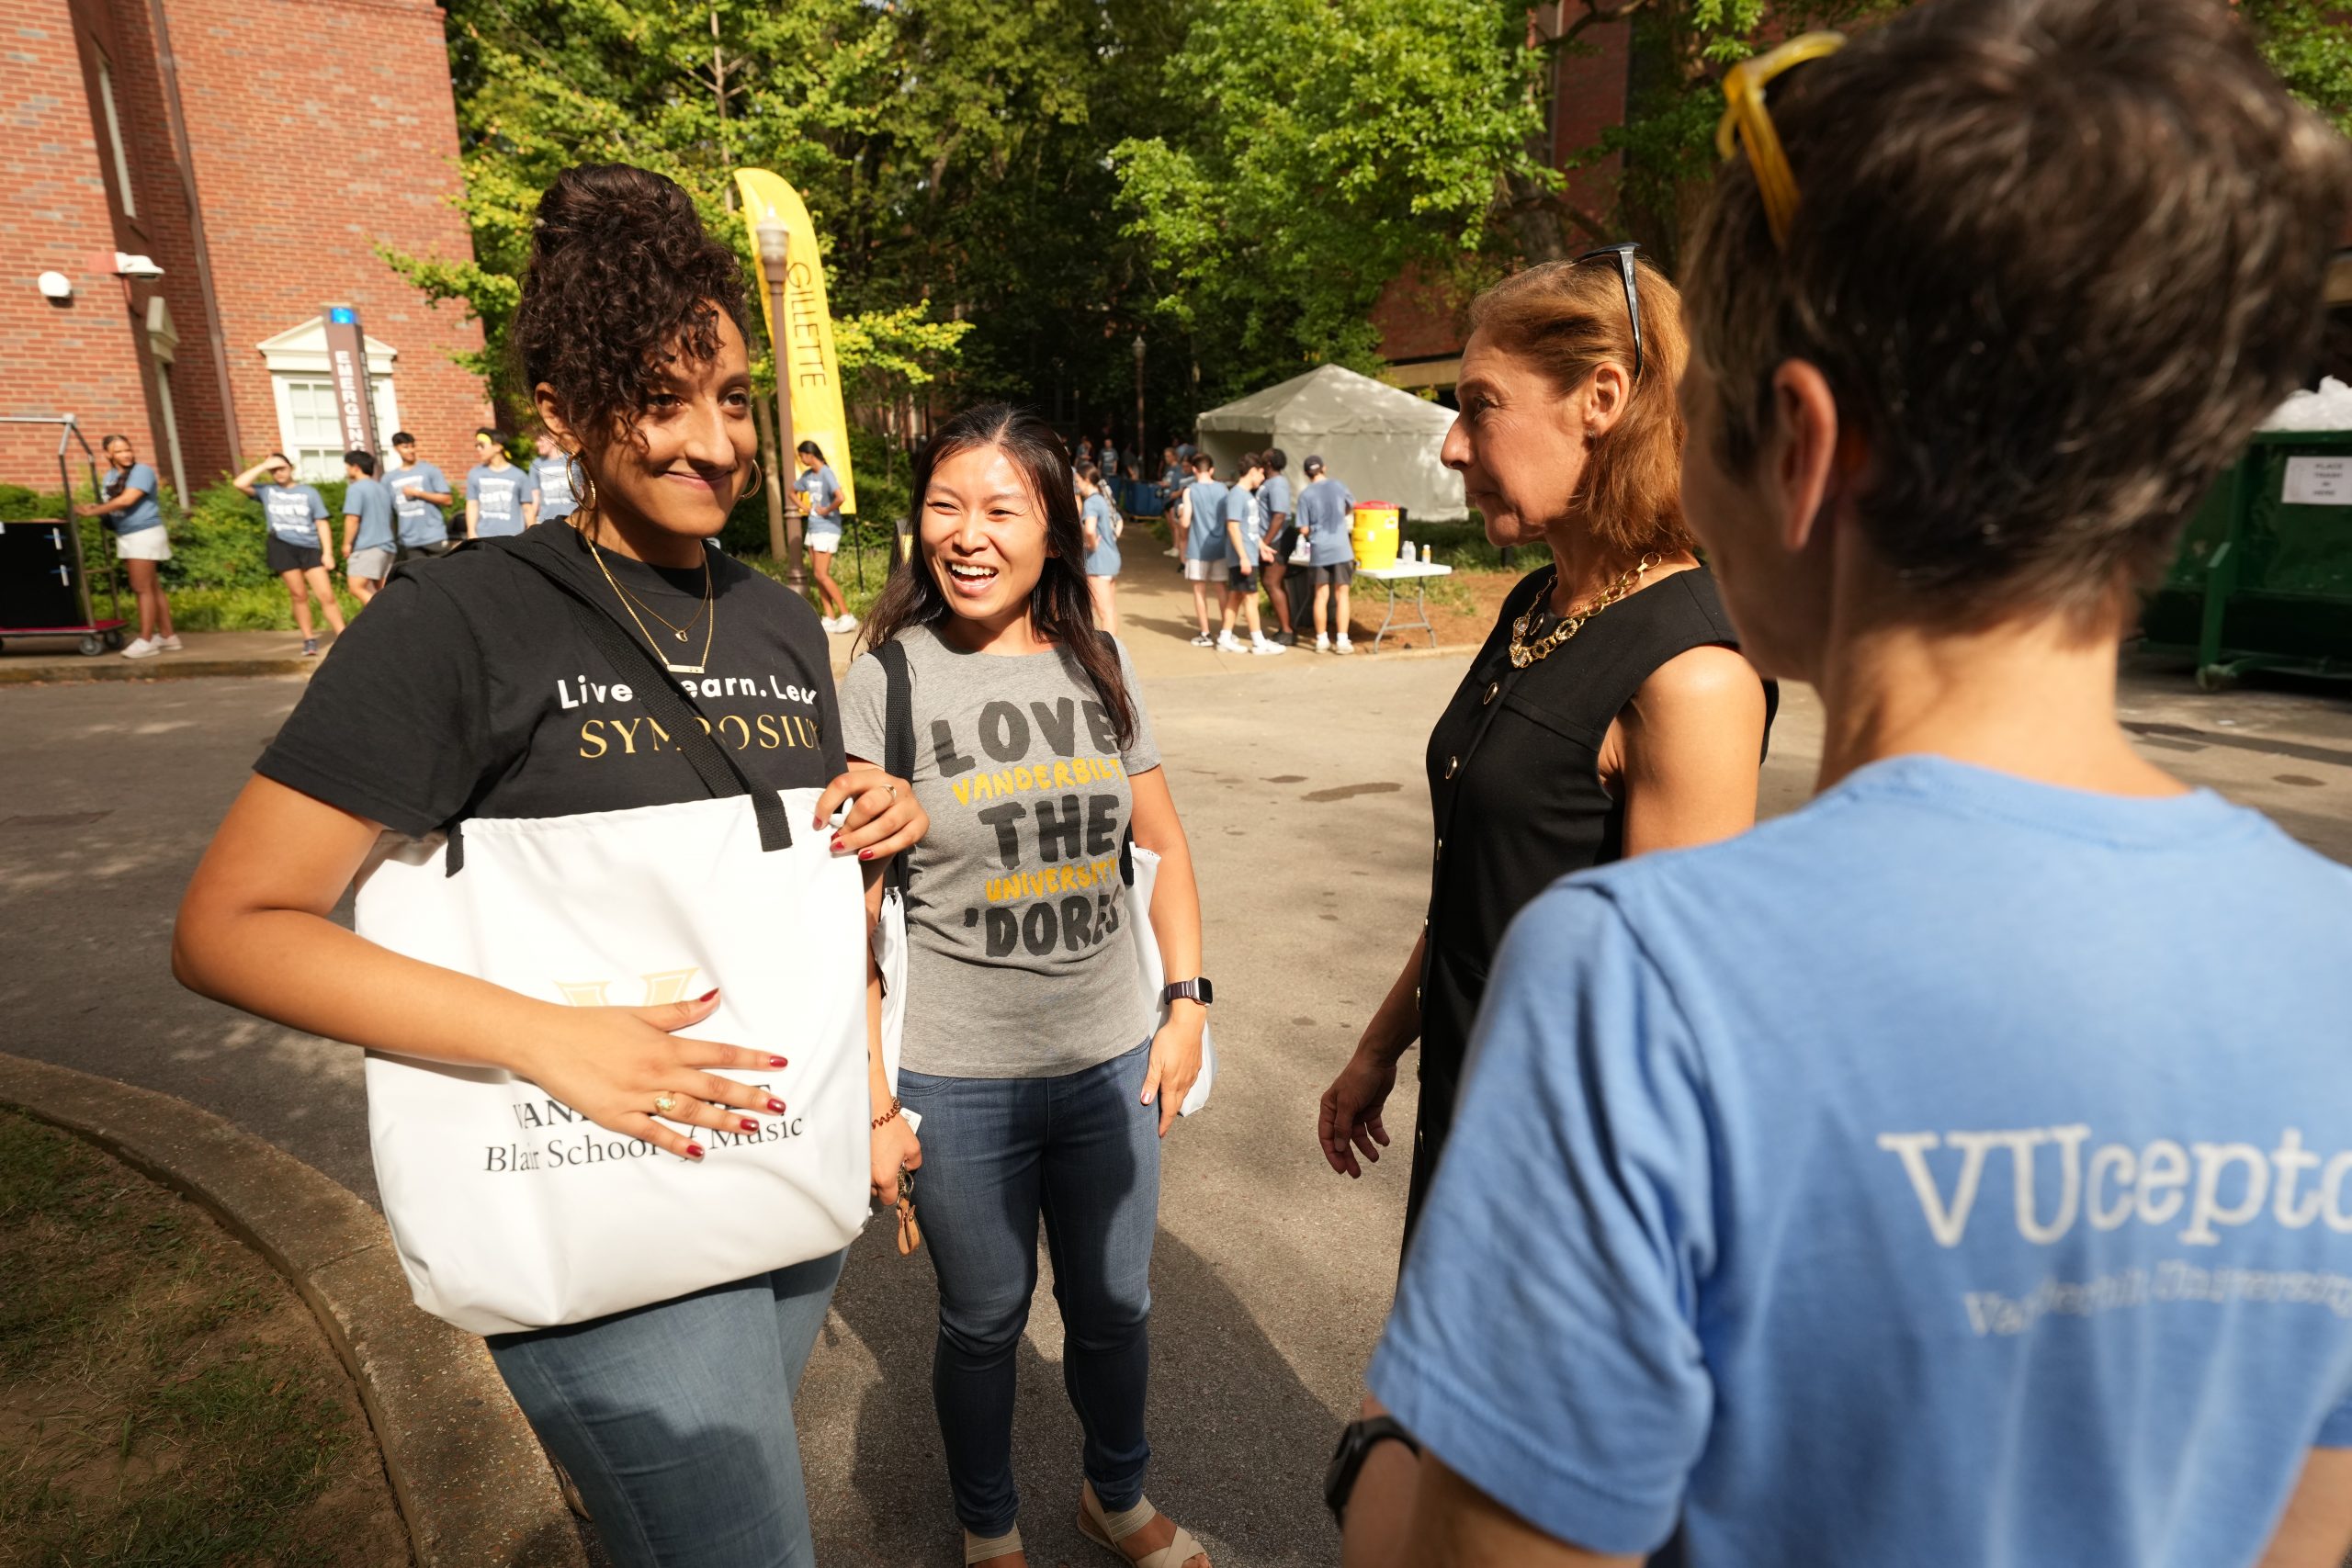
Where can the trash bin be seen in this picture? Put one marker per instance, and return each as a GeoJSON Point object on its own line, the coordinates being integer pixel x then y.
{"type": "Point", "coordinates": [1374, 532]}
{"type": "Point", "coordinates": [2263, 579]}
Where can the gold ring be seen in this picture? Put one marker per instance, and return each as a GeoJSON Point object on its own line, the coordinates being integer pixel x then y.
{"type": "Point", "coordinates": [665, 1103]}
{"type": "Point", "coordinates": [893, 789]}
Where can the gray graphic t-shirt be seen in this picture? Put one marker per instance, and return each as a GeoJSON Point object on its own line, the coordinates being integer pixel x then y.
{"type": "Point", "coordinates": [1019, 962]}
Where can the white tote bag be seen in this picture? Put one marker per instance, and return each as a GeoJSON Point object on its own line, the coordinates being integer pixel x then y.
{"type": "Point", "coordinates": [511, 1211]}
{"type": "Point", "coordinates": [1140, 865]}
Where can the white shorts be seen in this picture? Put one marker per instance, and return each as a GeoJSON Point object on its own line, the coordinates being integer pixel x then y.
{"type": "Point", "coordinates": [1206, 570]}
{"type": "Point", "coordinates": [147, 544]}
{"type": "Point", "coordinates": [369, 565]}
{"type": "Point", "coordinates": [828, 540]}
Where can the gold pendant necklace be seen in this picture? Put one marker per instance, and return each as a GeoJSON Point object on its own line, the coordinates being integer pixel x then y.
{"type": "Point", "coordinates": [1524, 653]}
{"type": "Point", "coordinates": [709, 608]}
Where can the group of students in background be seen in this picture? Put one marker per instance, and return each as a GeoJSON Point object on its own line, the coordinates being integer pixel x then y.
{"type": "Point", "coordinates": [1255, 531]}
{"type": "Point", "coordinates": [388, 514]}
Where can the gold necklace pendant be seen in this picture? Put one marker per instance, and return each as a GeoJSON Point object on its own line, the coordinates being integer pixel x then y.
{"type": "Point", "coordinates": [1524, 653]}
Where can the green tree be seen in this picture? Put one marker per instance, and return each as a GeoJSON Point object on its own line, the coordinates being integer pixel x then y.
{"type": "Point", "coordinates": [1328, 145]}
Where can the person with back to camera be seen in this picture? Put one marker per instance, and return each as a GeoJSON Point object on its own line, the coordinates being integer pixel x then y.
{"type": "Point", "coordinates": [1029, 1049]}
{"type": "Point", "coordinates": [127, 500]}
{"type": "Point", "coordinates": [1200, 524]}
{"type": "Point", "coordinates": [298, 550]}
{"type": "Point", "coordinates": [1282, 534]}
{"type": "Point", "coordinates": [367, 535]}
{"type": "Point", "coordinates": [1103, 523]}
{"type": "Point", "coordinates": [480, 692]}
{"type": "Point", "coordinates": [419, 490]}
{"type": "Point", "coordinates": [1327, 511]}
{"type": "Point", "coordinates": [1960, 1168]}
{"type": "Point", "coordinates": [820, 491]}
{"type": "Point", "coordinates": [1610, 712]}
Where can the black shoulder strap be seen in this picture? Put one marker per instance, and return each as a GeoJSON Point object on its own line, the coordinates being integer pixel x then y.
{"type": "Point", "coordinates": [898, 735]}
{"type": "Point", "coordinates": [720, 773]}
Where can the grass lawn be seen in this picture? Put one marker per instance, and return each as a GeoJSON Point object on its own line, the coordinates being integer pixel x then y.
{"type": "Point", "coordinates": [165, 1399]}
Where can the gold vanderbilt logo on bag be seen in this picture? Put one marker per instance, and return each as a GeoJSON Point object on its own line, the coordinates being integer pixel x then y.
{"type": "Point", "coordinates": [592, 1144]}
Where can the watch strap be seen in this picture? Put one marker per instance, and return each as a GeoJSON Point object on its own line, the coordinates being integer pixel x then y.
{"type": "Point", "coordinates": [1357, 1440]}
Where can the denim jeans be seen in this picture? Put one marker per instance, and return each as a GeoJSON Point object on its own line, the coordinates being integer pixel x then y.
{"type": "Point", "coordinates": [998, 1154]}
{"type": "Point", "coordinates": [676, 1419]}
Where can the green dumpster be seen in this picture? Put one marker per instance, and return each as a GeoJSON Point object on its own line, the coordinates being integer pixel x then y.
{"type": "Point", "coordinates": [2264, 577]}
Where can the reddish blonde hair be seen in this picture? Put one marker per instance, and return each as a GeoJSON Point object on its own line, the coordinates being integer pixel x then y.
{"type": "Point", "coordinates": [1568, 318]}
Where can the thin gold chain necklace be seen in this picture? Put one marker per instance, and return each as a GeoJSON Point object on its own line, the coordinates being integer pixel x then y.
{"type": "Point", "coordinates": [1524, 653]}
{"type": "Point", "coordinates": [709, 606]}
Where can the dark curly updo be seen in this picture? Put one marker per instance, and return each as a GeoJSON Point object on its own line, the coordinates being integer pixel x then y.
{"type": "Point", "coordinates": [622, 276]}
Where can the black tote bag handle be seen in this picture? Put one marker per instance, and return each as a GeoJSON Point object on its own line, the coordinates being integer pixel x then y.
{"type": "Point", "coordinates": [720, 773]}
{"type": "Point", "coordinates": [897, 739]}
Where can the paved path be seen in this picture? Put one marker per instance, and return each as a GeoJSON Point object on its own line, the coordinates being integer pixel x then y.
{"type": "Point", "coordinates": [1299, 779]}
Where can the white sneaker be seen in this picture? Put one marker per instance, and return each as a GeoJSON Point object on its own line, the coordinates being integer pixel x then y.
{"type": "Point", "coordinates": [1227, 643]}
{"type": "Point", "coordinates": [1343, 645]}
{"type": "Point", "coordinates": [142, 649]}
{"type": "Point", "coordinates": [1322, 645]}
{"type": "Point", "coordinates": [1261, 647]}
{"type": "Point", "coordinates": [845, 622]}
{"type": "Point", "coordinates": [170, 644]}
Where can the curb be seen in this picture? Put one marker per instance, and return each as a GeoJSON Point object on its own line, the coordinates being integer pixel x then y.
{"type": "Point", "coordinates": [473, 1486]}
{"type": "Point", "coordinates": [115, 667]}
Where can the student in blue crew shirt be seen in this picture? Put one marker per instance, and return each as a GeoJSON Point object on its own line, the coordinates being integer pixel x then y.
{"type": "Point", "coordinates": [127, 500]}
{"type": "Point", "coordinates": [819, 489]}
{"type": "Point", "coordinates": [1200, 521]}
{"type": "Point", "coordinates": [419, 490]}
{"type": "Point", "coordinates": [368, 547]}
{"type": "Point", "coordinates": [298, 550]}
{"type": "Point", "coordinates": [1282, 534]}
{"type": "Point", "coordinates": [552, 499]}
{"type": "Point", "coordinates": [1957, 1171]}
{"type": "Point", "coordinates": [1245, 531]}
{"type": "Point", "coordinates": [1326, 510]}
{"type": "Point", "coordinates": [497, 493]}
{"type": "Point", "coordinates": [1103, 523]}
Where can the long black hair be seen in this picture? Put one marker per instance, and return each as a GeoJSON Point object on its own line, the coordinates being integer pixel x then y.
{"type": "Point", "coordinates": [1060, 609]}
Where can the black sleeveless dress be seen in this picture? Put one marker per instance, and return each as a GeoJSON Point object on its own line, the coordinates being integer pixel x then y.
{"type": "Point", "coordinates": [1515, 787]}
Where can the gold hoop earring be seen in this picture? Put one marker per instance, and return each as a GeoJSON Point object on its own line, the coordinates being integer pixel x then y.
{"type": "Point", "coordinates": [758, 478]}
{"type": "Point", "coordinates": [583, 484]}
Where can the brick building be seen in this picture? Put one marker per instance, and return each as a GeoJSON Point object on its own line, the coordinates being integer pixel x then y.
{"type": "Point", "coordinates": [257, 151]}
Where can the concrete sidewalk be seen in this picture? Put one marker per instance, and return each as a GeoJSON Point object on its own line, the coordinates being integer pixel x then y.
{"type": "Point", "coordinates": [42, 658]}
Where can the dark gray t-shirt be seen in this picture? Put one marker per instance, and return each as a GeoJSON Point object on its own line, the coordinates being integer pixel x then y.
{"type": "Point", "coordinates": [1019, 960]}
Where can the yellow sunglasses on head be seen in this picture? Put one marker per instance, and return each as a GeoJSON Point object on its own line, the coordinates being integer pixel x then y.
{"type": "Point", "coordinates": [1746, 121]}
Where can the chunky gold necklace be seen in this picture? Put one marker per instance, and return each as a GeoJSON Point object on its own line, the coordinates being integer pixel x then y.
{"type": "Point", "coordinates": [1524, 653]}
{"type": "Point", "coordinates": [709, 608]}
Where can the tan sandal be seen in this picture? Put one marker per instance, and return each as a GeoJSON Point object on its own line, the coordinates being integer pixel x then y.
{"type": "Point", "coordinates": [979, 1550]}
{"type": "Point", "coordinates": [1106, 1530]}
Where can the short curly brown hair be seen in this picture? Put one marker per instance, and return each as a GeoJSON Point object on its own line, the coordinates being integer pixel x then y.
{"type": "Point", "coordinates": [623, 277]}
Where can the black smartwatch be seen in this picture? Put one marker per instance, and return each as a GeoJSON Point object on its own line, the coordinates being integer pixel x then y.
{"type": "Point", "coordinates": [1356, 1441]}
{"type": "Point", "coordinates": [1198, 990]}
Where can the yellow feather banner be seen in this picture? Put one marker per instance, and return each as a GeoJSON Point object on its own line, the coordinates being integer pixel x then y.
{"type": "Point", "coordinates": [810, 373]}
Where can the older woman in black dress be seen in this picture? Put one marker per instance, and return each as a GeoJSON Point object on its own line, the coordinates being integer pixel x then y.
{"type": "Point", "coordinates": [1610, 712]}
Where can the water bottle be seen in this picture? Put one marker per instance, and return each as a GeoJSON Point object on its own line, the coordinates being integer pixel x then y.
{"type": "Point", "coordinates": [1405, 553]}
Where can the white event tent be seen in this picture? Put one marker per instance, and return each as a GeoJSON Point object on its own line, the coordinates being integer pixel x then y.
{"type": "Point", "coordinates": [1380, 442]}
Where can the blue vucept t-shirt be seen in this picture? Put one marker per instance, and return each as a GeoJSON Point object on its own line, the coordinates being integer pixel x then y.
{"type": "Point", "coordinates": [1957, 1170]}
{"type": "Point", "coordinates": [1205, 539]}
{"type": "Point", "coordinates": [1328, 512]}
{"type": "Point", "coordinates": [1241, 506]}
{"type": "Point", "coordinates": [140, 514]}
{"type": "Point", "coordinates": [421, 522]}
{"type": "Point", "coordinates": [1274, 497]}
{"type": "Point", "coordinates": [498, 494]}
{"type": "Point", "coordinates": [294, 512]}
{"type": "Point", "coordinates": [822, 487]}
{"type": "Point", "coordinates": [371, 503]}
{"type": "Point", "coordinates": [552, 487]}
{"type": "Point", "coordinates": [1103, 560]}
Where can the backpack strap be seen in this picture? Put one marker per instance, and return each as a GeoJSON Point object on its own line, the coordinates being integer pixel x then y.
{"type": "Point", "coordinates": [721, 775]}
{"type": "Point", "coordinates": [897, 738]}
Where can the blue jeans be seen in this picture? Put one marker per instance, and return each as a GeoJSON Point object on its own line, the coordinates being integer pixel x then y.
{"type": "Point", "coordinates": [675, 1420]}
{"type": "Point", "coordinates": [998, 1154]}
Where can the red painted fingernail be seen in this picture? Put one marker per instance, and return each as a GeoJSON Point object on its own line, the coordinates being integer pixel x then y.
{"type": "Point", "coordinates": [775, 1107]}
{"type": "Point", "coordinates": [865, 854]}
{"type": "Point", "coordinates": [778, 1062]}
{"type": "Point", "coordinates": [693, 1151]}
{"type": "Point", "coordinates": [837, 846]}
{"type": "Point", "coordinates": [708, 994]}
{"type": "Point", "coordinates": [747, 1123]}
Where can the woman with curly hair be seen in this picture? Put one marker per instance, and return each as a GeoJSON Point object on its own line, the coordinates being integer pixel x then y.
{"type": "Point", "coordinates": [480, 692]}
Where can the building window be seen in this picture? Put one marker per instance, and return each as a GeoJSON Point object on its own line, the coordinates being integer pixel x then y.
{"type": "Point", "coordinates": [114, 139]}
{"type": "Point", "coordinates": [313, 430]}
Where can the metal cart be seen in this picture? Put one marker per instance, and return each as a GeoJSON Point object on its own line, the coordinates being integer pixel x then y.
{"type": "Point", "coordinates": [44, 580]}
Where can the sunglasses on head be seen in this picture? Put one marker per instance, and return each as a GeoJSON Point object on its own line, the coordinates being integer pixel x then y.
{"type": "Point", "coordinates": [1627, 275]}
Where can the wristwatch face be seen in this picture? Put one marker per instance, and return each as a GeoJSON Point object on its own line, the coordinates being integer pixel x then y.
{"type": "Point", "coordinates": [1198, 990]}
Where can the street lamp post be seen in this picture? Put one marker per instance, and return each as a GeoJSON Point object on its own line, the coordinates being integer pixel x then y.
{"type": "Point", "coordinates": [783, 526]}
{"type": "Point", "coordinates": [1142, 447]}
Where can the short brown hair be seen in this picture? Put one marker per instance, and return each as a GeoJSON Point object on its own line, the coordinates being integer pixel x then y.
{"type": "Point", "coordinates": [1568, 318]}
{"type": "Point", "coordinates": [2055, 259]}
